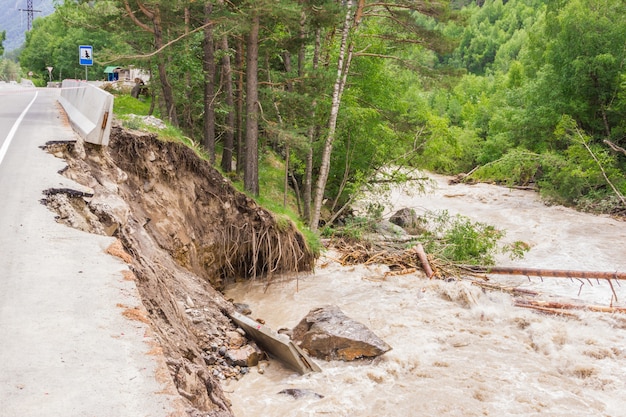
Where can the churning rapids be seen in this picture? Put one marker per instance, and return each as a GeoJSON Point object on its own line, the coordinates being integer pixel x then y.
{"type": "Point", "coordinates": [459, 351]}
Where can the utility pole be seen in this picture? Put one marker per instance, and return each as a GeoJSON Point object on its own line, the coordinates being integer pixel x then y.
{"type": "Point", "coordinates": [29, 10]}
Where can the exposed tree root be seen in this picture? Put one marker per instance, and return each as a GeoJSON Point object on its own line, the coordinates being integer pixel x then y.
{"type": "Point", "coordinates": [232, 236]}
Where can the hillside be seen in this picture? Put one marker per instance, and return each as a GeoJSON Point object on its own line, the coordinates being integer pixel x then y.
{"type": "Point", "coordinates": [15, 22]}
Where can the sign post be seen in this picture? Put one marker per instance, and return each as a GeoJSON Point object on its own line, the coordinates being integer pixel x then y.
{"type": "Point", "coordinates": [85, 54]}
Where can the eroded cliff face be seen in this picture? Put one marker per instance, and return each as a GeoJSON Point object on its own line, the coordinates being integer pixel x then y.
{"type": "Point", "coordinates": [183, 230]}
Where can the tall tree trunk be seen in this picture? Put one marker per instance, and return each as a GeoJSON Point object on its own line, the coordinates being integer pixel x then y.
{"type": "Point", "coordinates": [153, 96]}
{"type": "Point", "coordinates": [287, 64]}
{"type": "Point", "coordinates": [229, 134]}
{"type": "Point", "coordinates": [343, 66]}
{"type": "Point", "coordinates": [302, 50]}
{"type": "Point", "coordinates": [289, 88]}
{"type": "Point", "coordinates": [187, 119]}
{"type": "Point", "coordinates": [239, 64]}
{"type": "Point", "coordinates": [168, 93]}
{"type": "Point", "coordinates": [308, 170]}
{"type": "Point", "coordinates": [251, 167]}
{"type": "Point", "coordinates": [208, 65]}
{"type": "Point", "coordinates": [286, 178]}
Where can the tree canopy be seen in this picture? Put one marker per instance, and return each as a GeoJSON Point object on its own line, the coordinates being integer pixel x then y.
{"type": "Point", "coordinates": [3, 36]}
{"type": "Point", "coordinates": [342, 89]}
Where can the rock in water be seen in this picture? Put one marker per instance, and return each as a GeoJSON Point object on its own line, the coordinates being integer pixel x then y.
{"type": "Point", "coordinates": [327, 333]}
{"type": "Point", "coordinates": [243, 308]}
{"type": "Point", "coordinates": [299, 393]}
{"type": "Point", "coordinates": [408, 219]}
{"type": "Point", "coordinates": [404, 217]}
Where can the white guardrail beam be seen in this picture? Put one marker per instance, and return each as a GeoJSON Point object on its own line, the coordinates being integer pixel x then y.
{"type": "Point", "coordinates": [89, 109]}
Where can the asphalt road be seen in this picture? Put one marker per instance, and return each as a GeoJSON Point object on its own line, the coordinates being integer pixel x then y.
{"type": "Point", "coordinates": [65, 347]}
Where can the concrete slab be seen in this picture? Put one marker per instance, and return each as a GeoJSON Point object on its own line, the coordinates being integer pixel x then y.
{"type": "Point", "coordinates": [90, 110]}
{"type": "Point", "coordinates": [278, 345]}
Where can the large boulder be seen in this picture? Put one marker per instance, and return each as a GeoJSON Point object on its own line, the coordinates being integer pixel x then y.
{"type": "Point", "coordinates": [408, 219]}
{"type": "Point", "coordinates": [327, 333]}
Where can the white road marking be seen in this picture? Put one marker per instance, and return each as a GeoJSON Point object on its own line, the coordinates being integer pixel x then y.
{"type": "Point", "coordinates": [9, 138]}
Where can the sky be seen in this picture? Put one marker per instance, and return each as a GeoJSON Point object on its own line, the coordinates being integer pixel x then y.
{"type": "Point", "coordinates": [15, 22]}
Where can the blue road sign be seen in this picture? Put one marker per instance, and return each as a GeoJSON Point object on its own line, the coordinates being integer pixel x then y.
{"type": "Point", "coordinates": [85, 52]}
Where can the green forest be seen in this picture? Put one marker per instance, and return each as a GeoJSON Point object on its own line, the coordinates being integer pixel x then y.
{"type": "Point", "coordinates": [528, 93]}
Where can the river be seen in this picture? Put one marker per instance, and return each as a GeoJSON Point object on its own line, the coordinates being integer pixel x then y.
{"type": "Point", "coordinates": [457, 350]}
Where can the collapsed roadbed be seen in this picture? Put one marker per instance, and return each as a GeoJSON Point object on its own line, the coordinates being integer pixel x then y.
{"type": "Point", "coordinates": [184, 231]}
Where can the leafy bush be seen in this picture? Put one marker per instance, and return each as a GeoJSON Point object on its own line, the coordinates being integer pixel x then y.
{"type": "Point", "coordinates": [516, 167]}
{"type": "Point", "coordinates": [493, 148]}
{"type": "Point", "coordinates": [353, 230]}
{"type": "Point", "coordinates": [583, 173]}
{"type": "Point", "coordinates": [459, 240]}
{"type": "Point", "coordinates": [455, 239]}
{"type": "Point", "coordinates": [440, 147]}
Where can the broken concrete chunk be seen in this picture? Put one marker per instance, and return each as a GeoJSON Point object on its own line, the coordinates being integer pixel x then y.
{"type": "Point", "coordinates": [276, 344]}
{"type": "Point", "coordinates": [327, 333]}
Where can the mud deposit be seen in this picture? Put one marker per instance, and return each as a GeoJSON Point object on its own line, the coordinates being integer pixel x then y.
{"type": "Point", "coordinates": [182, 229]}
{"type": "Point", "coordinates": [459, 350]}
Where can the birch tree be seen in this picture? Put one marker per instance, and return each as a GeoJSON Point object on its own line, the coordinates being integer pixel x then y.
{"type": "Point", "coordinates": [343, 67]}
{"type": "Point", "coordinates": [399, 26]}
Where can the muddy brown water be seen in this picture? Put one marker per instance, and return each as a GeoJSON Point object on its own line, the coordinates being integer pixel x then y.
{"type": "Point", "coordinates": [459, 351]}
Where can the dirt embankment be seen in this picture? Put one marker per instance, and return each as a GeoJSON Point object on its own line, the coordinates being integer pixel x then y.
{"type": "Point", "coordinates": [184, 231]}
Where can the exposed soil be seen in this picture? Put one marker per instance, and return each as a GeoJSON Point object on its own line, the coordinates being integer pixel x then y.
{"type": "Point", "coordinates": [184, 232]}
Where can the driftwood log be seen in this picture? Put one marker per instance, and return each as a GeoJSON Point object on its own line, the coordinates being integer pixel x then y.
{"type": "Point", "coordinates": [553, 273]}
{"type": "Point", "coordinates": [539, 272]}
{"type": "Point", "coordinates": [421, 255]}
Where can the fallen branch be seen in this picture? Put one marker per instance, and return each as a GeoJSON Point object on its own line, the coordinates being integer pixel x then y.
{"type": "Point", "coordinates": [555, 305]}
{"type": "Point", "coordinates": [550, 310]}
{"type": "Point", "coordinates": [604, 174]}
{"type": "Point", "coordinates": [614, 147]}
{"type": "Point", "coordinates": [405, 262]}
{"type": "Point", "coordinates": [511, 290]}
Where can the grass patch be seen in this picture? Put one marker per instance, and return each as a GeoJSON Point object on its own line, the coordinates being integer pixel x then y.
{"type": "Point", "coordinates": [125, 104]}
{"type": "Point", "coordinates": [272, 197]}
{"type": "Point", "coordinates": [130, 112]}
